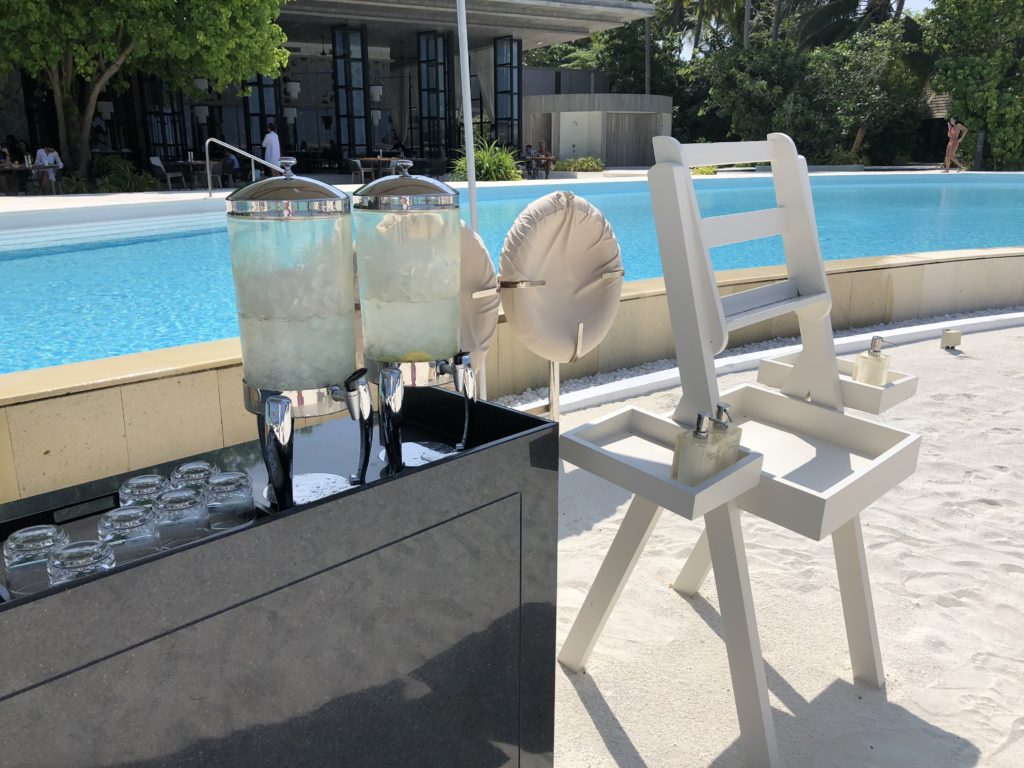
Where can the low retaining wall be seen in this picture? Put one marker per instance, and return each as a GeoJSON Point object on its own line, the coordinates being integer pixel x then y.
{"type": "Point", "coordinates": [73, 423]}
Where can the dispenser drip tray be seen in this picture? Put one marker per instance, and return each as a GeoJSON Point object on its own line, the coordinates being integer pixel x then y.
{"type": "Point", "coordinates": [418, 454]}
{"type": "Point", "coordinates": [313, 486]}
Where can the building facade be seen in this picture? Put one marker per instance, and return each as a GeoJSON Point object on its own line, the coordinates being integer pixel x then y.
{"type": "Point", "coordinates": [363, 76]}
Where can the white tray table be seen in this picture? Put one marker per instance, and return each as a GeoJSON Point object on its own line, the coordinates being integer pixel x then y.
{"type": "Point", "coordinates": [861, 397]}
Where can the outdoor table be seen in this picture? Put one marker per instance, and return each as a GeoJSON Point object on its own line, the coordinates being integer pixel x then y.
{"type": "Point", "coordinates": [194, 170]}
{"type": "Point", "coordinates": [376, 165]}
{"type": "Point", "coordinates": [542, 163]}
{"type": "Point", "coordinates": [22, 171]}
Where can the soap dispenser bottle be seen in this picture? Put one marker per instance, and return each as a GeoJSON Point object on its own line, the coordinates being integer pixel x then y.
{"type": "Point", "coordinates": [872, 367]}
{"type": "Point", "coordinates": [725, 438]}
{"type": "Point", "coordinates": [695, 460]}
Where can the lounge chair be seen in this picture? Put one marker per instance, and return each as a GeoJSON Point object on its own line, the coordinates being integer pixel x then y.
{"type": "Point", "coordinates": [357, 169]}
{"type": "Point", "coordinates": [163, 174]}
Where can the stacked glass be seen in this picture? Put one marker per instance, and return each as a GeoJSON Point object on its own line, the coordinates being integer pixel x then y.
{"type": "Point", "coordinates": [182, 516]}
{"type": "Point", "coordinates": [193, 474]}
{"type": "Point", "coordinates": [229, 499]}
{"type": "Point", "coordinates": [130, 531]}
{"type": "Point", "coordinates": [142, 490]}
{"type": "Point", "coordinates": [25, 556]}
{"type": "Point", "coordinates": [78, 560]}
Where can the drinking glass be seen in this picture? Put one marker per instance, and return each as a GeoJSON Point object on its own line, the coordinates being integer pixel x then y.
{"type": "Point", "coordinates": [25, 555]}
{"type": "Point", "coordinates": [182, 516]}
{"type": "Point", "coordinates": [193, 474]}
{"type": "Point", "coordinates": [130, 531]}
{"type": "Point", "coordinates": [142, 490]}
{"type": "Point", "coordinates": [229, 499]}
{"type": "Point", "coordinates": [78, 560]}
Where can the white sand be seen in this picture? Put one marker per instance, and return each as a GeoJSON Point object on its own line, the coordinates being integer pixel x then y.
{"type": "Point", "coordinates": [946, 556]}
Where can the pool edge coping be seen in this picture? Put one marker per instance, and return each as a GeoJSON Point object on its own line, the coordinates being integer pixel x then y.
{"type": "Point", "coordinates": [102, 373]}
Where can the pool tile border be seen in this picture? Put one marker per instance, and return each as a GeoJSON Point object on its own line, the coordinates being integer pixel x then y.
{"type": "Point", "coordinates": [82, 421]}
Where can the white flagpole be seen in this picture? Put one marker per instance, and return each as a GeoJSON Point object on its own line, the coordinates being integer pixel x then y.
{"type": "Point", "coordinates": [467, 113]}
{"type": "Point", "coordinates": [467, 133]}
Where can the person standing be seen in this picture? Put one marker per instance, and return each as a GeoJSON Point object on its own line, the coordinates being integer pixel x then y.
{"type": "Point", "coordinates": [271, 147]}
{"type": "Point", "coordinates": [955, 131]}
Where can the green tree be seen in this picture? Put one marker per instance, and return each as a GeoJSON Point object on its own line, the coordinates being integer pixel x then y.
{"type": "Point", "coordinates": [979, 47]}
{"type": "Point", "coordinates": [79, 47]}
{"type": "Point", "coordinates": [866, 79]}
{"type": "Point", "coordinates": [619, 53]}
{"type": "Point", "coordinates": [770, 88]}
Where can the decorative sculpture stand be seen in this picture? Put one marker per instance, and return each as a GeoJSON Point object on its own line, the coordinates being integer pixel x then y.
{"type": "Point", "coordinates": [804, 463]}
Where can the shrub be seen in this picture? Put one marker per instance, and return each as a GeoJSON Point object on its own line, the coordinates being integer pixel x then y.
{"type": "Point", "coordinates": [580, 164]}
{"type": "Point", "coordinates": [115, 174]}
{"type": "Point", "coordinates": [845, 157]}
{"type": "Point", "coordinates": [75, 185]}
{"type": "Point", "coordinates": [493, 163]}
{"type": "Point", "coordinates": [704, 170]}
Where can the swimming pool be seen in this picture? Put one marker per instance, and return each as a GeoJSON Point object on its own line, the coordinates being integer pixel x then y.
{"type": "Point", "coordinates": [81, 301]}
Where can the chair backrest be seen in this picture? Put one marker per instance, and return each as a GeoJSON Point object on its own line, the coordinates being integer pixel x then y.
{"type": "Point", "coordinates": [701, 320]}
{"type": "Point", "coordinates": [156, 163]}
{"type": "Point", "coordinates": [354, 164]}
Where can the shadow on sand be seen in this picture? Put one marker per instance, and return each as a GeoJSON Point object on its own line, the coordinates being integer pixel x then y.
{"type": "Point", "coordinates": [845, 726]}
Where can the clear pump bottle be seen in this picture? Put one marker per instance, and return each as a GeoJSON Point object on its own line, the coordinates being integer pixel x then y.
{"type": "Point", "coordinates": [725, 438]}
{"type": "Point", "coordinates": [872, 367]}
{"type": "Point", "coordinates": [695, 459]}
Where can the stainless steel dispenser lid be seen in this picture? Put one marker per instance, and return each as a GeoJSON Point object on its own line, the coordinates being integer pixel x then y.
{"type": "Point", "coordinates": [288, 196]}
{"type": "Point", "coordinates": [404, 192]}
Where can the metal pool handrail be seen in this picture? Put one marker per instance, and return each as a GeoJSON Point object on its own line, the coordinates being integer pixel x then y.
{"type": "Point", "coordinates": [233, 148]}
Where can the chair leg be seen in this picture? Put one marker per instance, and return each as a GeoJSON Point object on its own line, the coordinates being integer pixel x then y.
{"type": "Point", "coordinates": [742, 645]}
{"type": "Point", "coordinates": [695, 569]}
{"type": "Point", "coordinates": [634, 531]}
{"type": "Point", "coordinates": [858, 609]}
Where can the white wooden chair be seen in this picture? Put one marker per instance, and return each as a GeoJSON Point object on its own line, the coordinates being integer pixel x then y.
{"type": "Point", "coordinates": [806, 464]}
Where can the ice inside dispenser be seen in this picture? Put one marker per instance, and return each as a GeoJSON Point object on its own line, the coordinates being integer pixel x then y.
{"type": "Point", "coordinates": [291, 257]}
{"type": "Point", "coordinates": [409, 253]}
{"type": "Point", "coordinates": [292, 262]}
{"type": "Point", "coordinates": [409, 256]}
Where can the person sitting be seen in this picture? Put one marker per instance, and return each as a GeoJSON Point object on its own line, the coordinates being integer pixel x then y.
{"type": "Point", "coordinates": [8, 182]}
{"type": "Point", "coordinates": [546, 161]}
{"type": "Point", "coordinates": [531, 161]}
{"type": "Point", "coordinates": [46, 155]}
{"type": "Point", "coordinates": [230, 168]}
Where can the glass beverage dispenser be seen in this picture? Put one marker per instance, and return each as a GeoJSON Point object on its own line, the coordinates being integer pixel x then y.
{"type": "Point", "coordinates": [408, 255]}
{"type": "Point", "coordinates": [292, 262]}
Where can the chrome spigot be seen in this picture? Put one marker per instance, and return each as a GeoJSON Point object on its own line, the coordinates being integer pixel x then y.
{"type": "Point", "coordinates": [276, 427]}
{"type": "Point", "coordinates": [360, 409]}
{"type": "Point", "coordinates": [464, 378]}
{"type": "Point", "coordinates": [392, 393]}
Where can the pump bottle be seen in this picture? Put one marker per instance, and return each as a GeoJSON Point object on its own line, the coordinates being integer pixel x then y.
{"type": "Point", "coordinates": [695, 459]}
{"type": "Point", "coordinates": [725, 438]}
{"type": "Point", "coordinates": [872, 367]}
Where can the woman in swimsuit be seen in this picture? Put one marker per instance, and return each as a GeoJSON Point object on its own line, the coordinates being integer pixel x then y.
{"type": "Point", "coordinates": [956, 131]}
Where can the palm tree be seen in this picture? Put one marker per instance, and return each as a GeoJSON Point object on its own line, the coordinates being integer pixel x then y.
{"type": "Point", "coordinates": [826, 21]}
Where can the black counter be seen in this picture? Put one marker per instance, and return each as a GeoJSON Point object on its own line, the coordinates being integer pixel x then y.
{"type": "Point", "coordinates": [409, 622]}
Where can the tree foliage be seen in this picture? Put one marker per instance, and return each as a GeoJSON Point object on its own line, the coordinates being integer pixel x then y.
{"type": "Point", "coordinates": [867, 80]}
{"type": "Point", "coordinates": [78, 48]}
{"type": "Point", "coordinates": [768, 88]}
{"type": "Point", "coordinates": [979, 49]}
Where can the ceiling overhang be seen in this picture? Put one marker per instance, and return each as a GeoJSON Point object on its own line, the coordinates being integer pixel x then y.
{"type": "Point", "coordinates": [535, 22]}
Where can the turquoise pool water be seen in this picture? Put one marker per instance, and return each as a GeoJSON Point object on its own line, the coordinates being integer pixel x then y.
{"type": "Point", "coordinates": [83, 301]}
